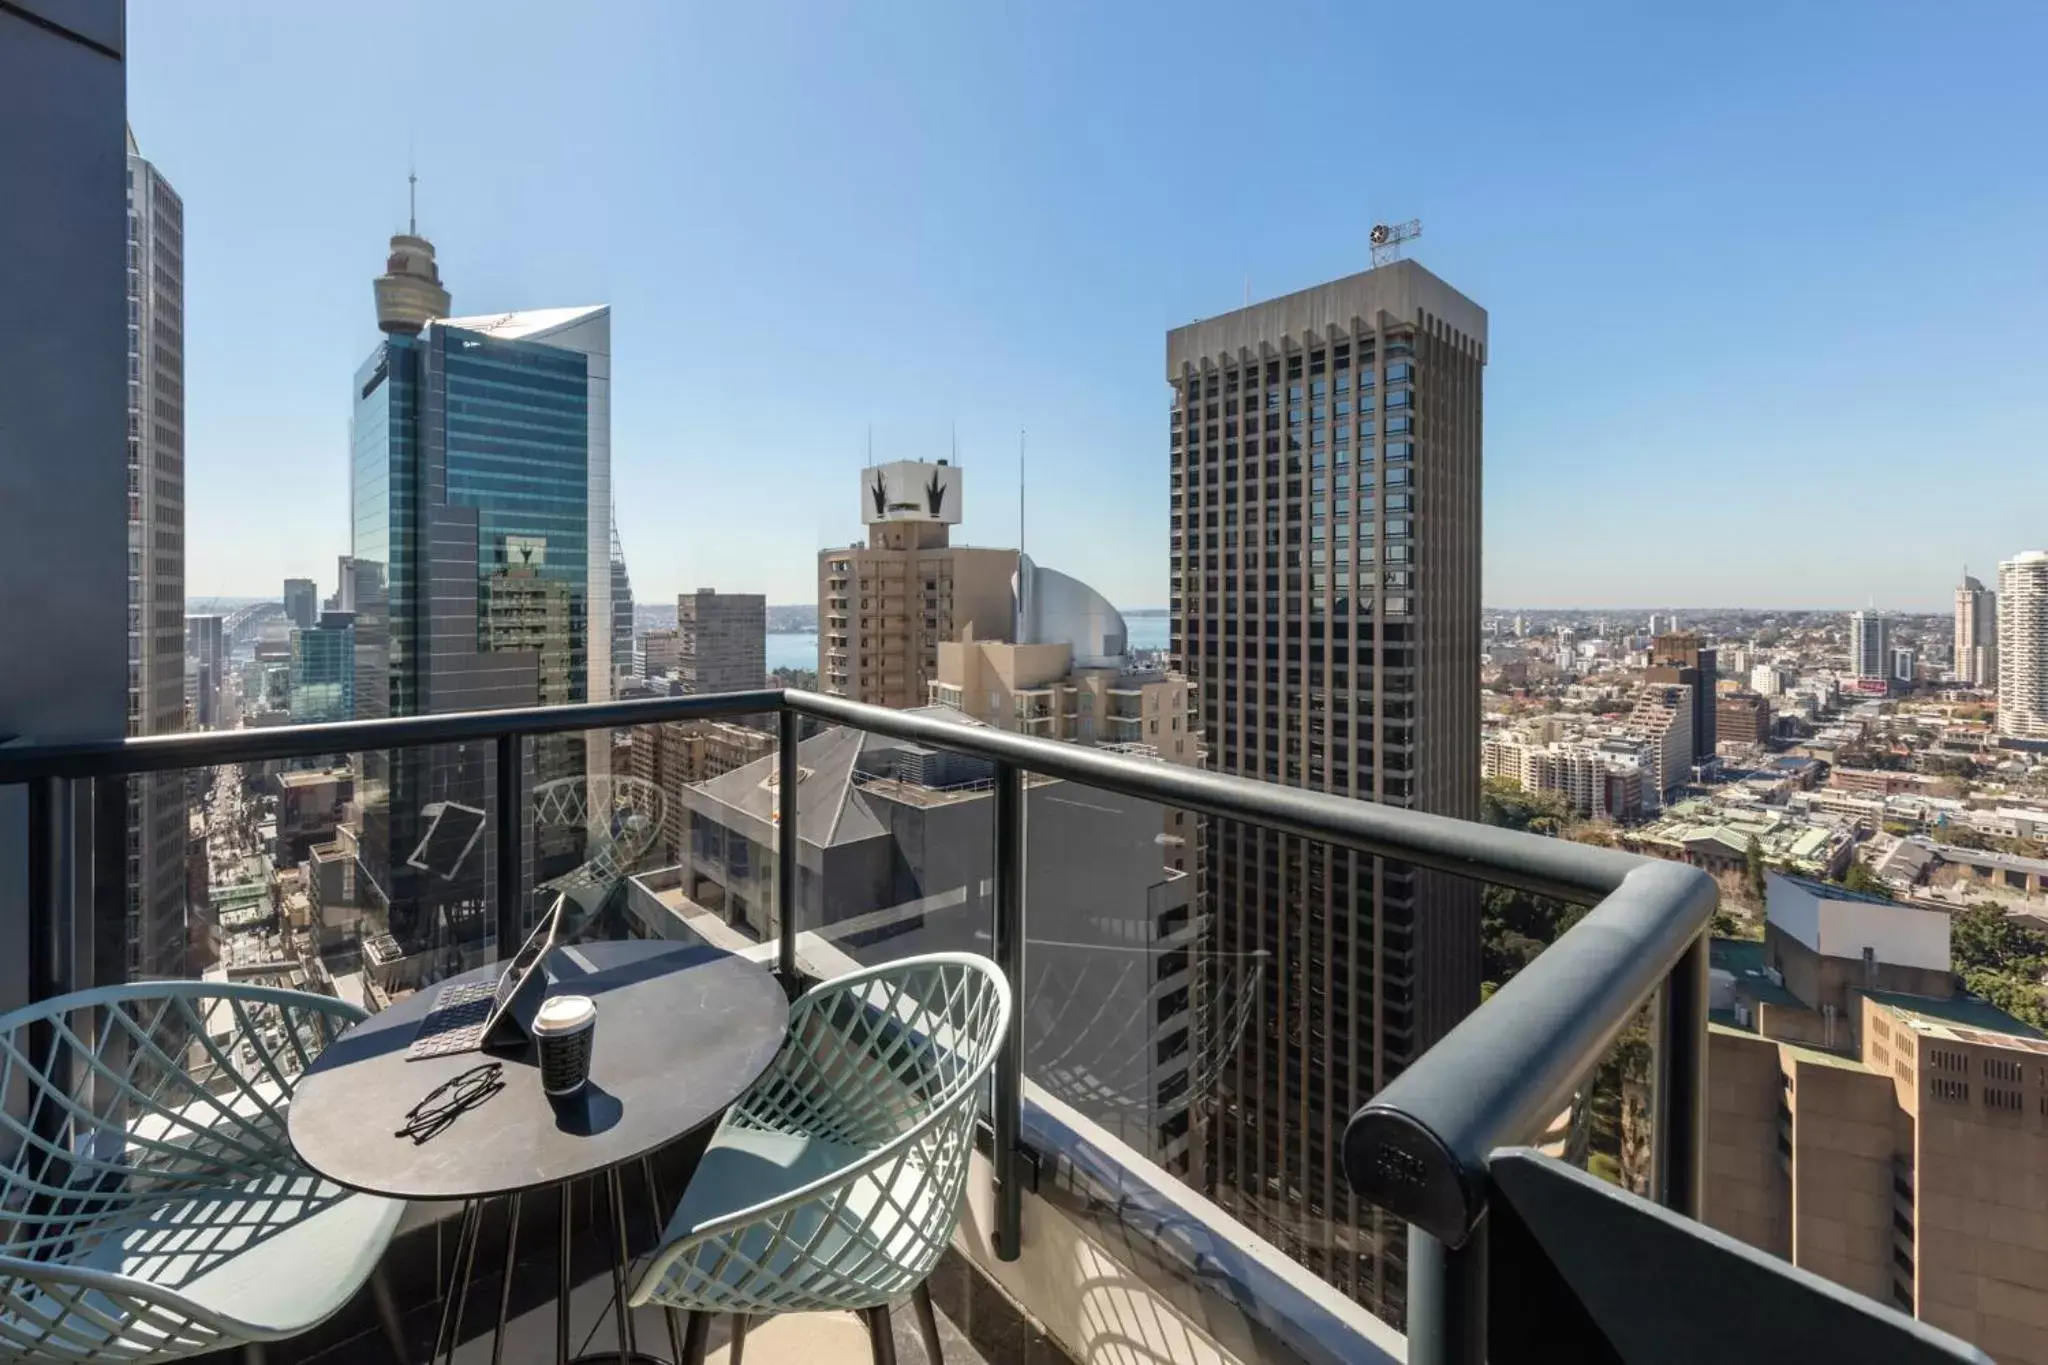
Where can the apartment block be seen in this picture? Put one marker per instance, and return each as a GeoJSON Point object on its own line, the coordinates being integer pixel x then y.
{"type": "Point", "coordinates": [1324, 509]}
{"type": "Point", "coordinates": [1600, 781]}
{"type": "Point", "coordinates": [2023, 646]}
{"type": "Point", "coordinates": [1976, 634]}
{"type": "Point", "coordinates": [1679, 657]}
{"type": "Point", "coordinates": [884, 607]}
{"type": "Point", "coordinates": [1662, 719]}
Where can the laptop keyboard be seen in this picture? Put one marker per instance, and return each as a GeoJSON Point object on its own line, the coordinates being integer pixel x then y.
{"type": "Point", "coordinates": [456, 1022]}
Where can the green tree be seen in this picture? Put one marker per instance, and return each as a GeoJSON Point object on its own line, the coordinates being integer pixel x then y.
{"type": "Point", "coordinates": [1860, 878]}
{"type": "Point", "coordinates": [2017, 997]}
{"type": "Point", "coordinates": [1514, 926]}
{"type": "Point", "coordinates": [1753, 869]}
{"type": "Point", "coordinates": [1984, 938]}
{"type": "Point", "coordinates": [1506, 803]}
{"type": "Point", "coordinates": [2002, 960]}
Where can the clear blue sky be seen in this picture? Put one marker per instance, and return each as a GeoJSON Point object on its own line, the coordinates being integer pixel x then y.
{"type": "Point", "coordinates": [1766, 282]}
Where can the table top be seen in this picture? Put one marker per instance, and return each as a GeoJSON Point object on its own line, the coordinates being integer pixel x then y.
{"type": "Point", "coordinates": [682, 1031]}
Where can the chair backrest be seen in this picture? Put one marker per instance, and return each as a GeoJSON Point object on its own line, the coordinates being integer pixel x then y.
{"type": "Point", "coordinates": [128, 1096]}
{"type": "Point", "coordinates": [896, 1043]}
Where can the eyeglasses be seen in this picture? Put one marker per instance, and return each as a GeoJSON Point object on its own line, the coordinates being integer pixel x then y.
{"type": "Point", "coordinates": [450, 1100]}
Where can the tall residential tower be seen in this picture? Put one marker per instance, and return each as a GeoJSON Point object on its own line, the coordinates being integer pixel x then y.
{"type": "Point", "coordinates": [884, 607]}
{"type": "Point", "coordinates": [156, 563]}
{"type": "Point", "coordinates": [1976, 634]}
{"type": "Point", "coordinates": [2023, 646]}
{"type": "Point", "coordinates": [1870, 654]}
{"type": "Point", "coordinates": [1325, 501]}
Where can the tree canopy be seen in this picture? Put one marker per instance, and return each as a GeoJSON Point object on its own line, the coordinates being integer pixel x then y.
{"type": "Point", "coordinates": [2001, 959]}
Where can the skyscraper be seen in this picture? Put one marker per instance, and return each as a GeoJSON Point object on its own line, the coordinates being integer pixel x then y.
{"type": "Point", "coordinates": [721, 641]}
{"type": "Point", "coordinates": [2023, 645]}
{"type": "Point", "coordinates": [1870, 653]}
{"type": "Point", "coordinates": [301, 602]}
{"type": "Point", "coordinates": [883, 607]}
{"type": "Point", "coordinates": [481, 511]}
{"type": "Point", "coordinates": [1325, 541]}
{"type": "Point", "coordinates": [156, 573]}
{"type": "Point", "coordinates": [1976, 634]}
{"type": "Point", "coordinates": [206, 664]}
{"type": "Point", "coordinates": [323, 670]}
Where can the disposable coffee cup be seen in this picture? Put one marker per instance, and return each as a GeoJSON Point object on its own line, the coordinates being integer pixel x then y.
{"type": "Point", "coordinates": [564, 1030]}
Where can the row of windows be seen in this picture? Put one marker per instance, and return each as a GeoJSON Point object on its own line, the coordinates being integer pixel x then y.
{"type": "Point", "coordinates": [1336, 359]}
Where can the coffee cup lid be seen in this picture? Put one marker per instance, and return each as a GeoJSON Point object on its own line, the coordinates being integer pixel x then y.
{"type": "Point", "coordinates": [565, 1012]}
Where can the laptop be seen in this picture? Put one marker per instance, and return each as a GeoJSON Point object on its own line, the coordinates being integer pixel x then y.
{"type": "Point", "coordinates": [468, 1016]}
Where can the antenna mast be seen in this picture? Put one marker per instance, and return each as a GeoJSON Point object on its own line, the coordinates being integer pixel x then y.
{"type": "Point", "coordinates": [412, 203]}
{"type": "Point", "coordinates": [1020, 490]}
{"type": "Point", "coordinates": [1387, 240]}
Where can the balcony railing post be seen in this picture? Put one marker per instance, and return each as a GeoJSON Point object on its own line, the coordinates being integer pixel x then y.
{"type": "Point", "coordinates": [786, 784]}
{"type": "Point", "coordinates": [1447, 1299]}
{"type": "Point", "coordinates": [1679, 1138]}
{"type": "Point", "coordinates": [511, 829]}
{"type": "Point", "coordinates": [50, 853]}
{"type": "Point", "coordinates": [1008, 941]}
{"type": "Point", "coordinates": [52, 862]}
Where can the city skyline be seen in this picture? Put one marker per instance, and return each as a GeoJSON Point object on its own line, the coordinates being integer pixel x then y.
{"type": "Point", "coordinates": [1031, 293]}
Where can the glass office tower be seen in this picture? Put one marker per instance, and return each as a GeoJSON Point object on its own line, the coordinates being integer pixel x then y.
{"type": "Point", "coordinates": [472, 487]}
{"type": "Point", "coordinates": [323, 670]}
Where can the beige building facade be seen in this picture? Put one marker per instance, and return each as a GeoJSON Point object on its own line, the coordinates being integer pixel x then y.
{"type": "Point", "coordinates": [1868, 1123]}
{"type": "Point", "coordinates": [886, 606]}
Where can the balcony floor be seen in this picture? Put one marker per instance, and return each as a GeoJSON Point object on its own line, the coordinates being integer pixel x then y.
{"type": "Point", "coordinates": [419, 1263]}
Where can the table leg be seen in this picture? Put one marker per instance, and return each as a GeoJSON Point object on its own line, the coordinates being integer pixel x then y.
{"type": "Point", "coordinates": [457, 1297]}
{"type": "Point", "coordinates": [505, 1290]}
{"type": "Point", "coordinates": [661, 1215]}
{"type": "Point", "coordinates": [628, 1346]}
{"type": "Point", "coordinates": [562, 1285]}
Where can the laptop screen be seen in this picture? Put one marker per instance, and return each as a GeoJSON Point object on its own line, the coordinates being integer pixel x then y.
{"type": "Point", "coordinates": [528, 959]}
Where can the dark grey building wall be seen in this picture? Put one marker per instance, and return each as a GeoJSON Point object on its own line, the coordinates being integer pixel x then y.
{"type": "Point", "coordinates": [63, 404]}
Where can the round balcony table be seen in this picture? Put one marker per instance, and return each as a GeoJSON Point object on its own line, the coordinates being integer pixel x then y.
{"type": "Point", "coordinates": [682, 1031]}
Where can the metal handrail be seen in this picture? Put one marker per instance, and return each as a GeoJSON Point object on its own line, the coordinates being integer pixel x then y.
{"type": "Point", "coordinates": [1419, 1148]}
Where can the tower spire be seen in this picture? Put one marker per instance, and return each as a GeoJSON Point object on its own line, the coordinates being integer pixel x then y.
{"type": "Point", "coordinates": [412, 203]}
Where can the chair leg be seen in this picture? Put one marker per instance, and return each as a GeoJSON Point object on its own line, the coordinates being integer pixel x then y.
{"type": "Point", "coordinates": [388, 1320]}
{"type": "Point", "coordinates": [739, 1339]}
{"type": "Point", "coordinates": [252, 1353]}
{"type": "Point", "coordinates": [927, 1321]}
{"type": "Point", "coordinates": [881, 1338]}
{"type": "Point", "coordinates": [696, 1339]}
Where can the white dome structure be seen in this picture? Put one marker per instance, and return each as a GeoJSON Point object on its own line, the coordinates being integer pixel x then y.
{"type": "Point", "coordinates": [1055, 609]}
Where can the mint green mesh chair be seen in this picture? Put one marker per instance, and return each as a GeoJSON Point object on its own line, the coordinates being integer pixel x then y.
{"type": "Point", "coordinates": [835, 1182]}
{"type": "Point", "coordinates": [152, 1205]}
